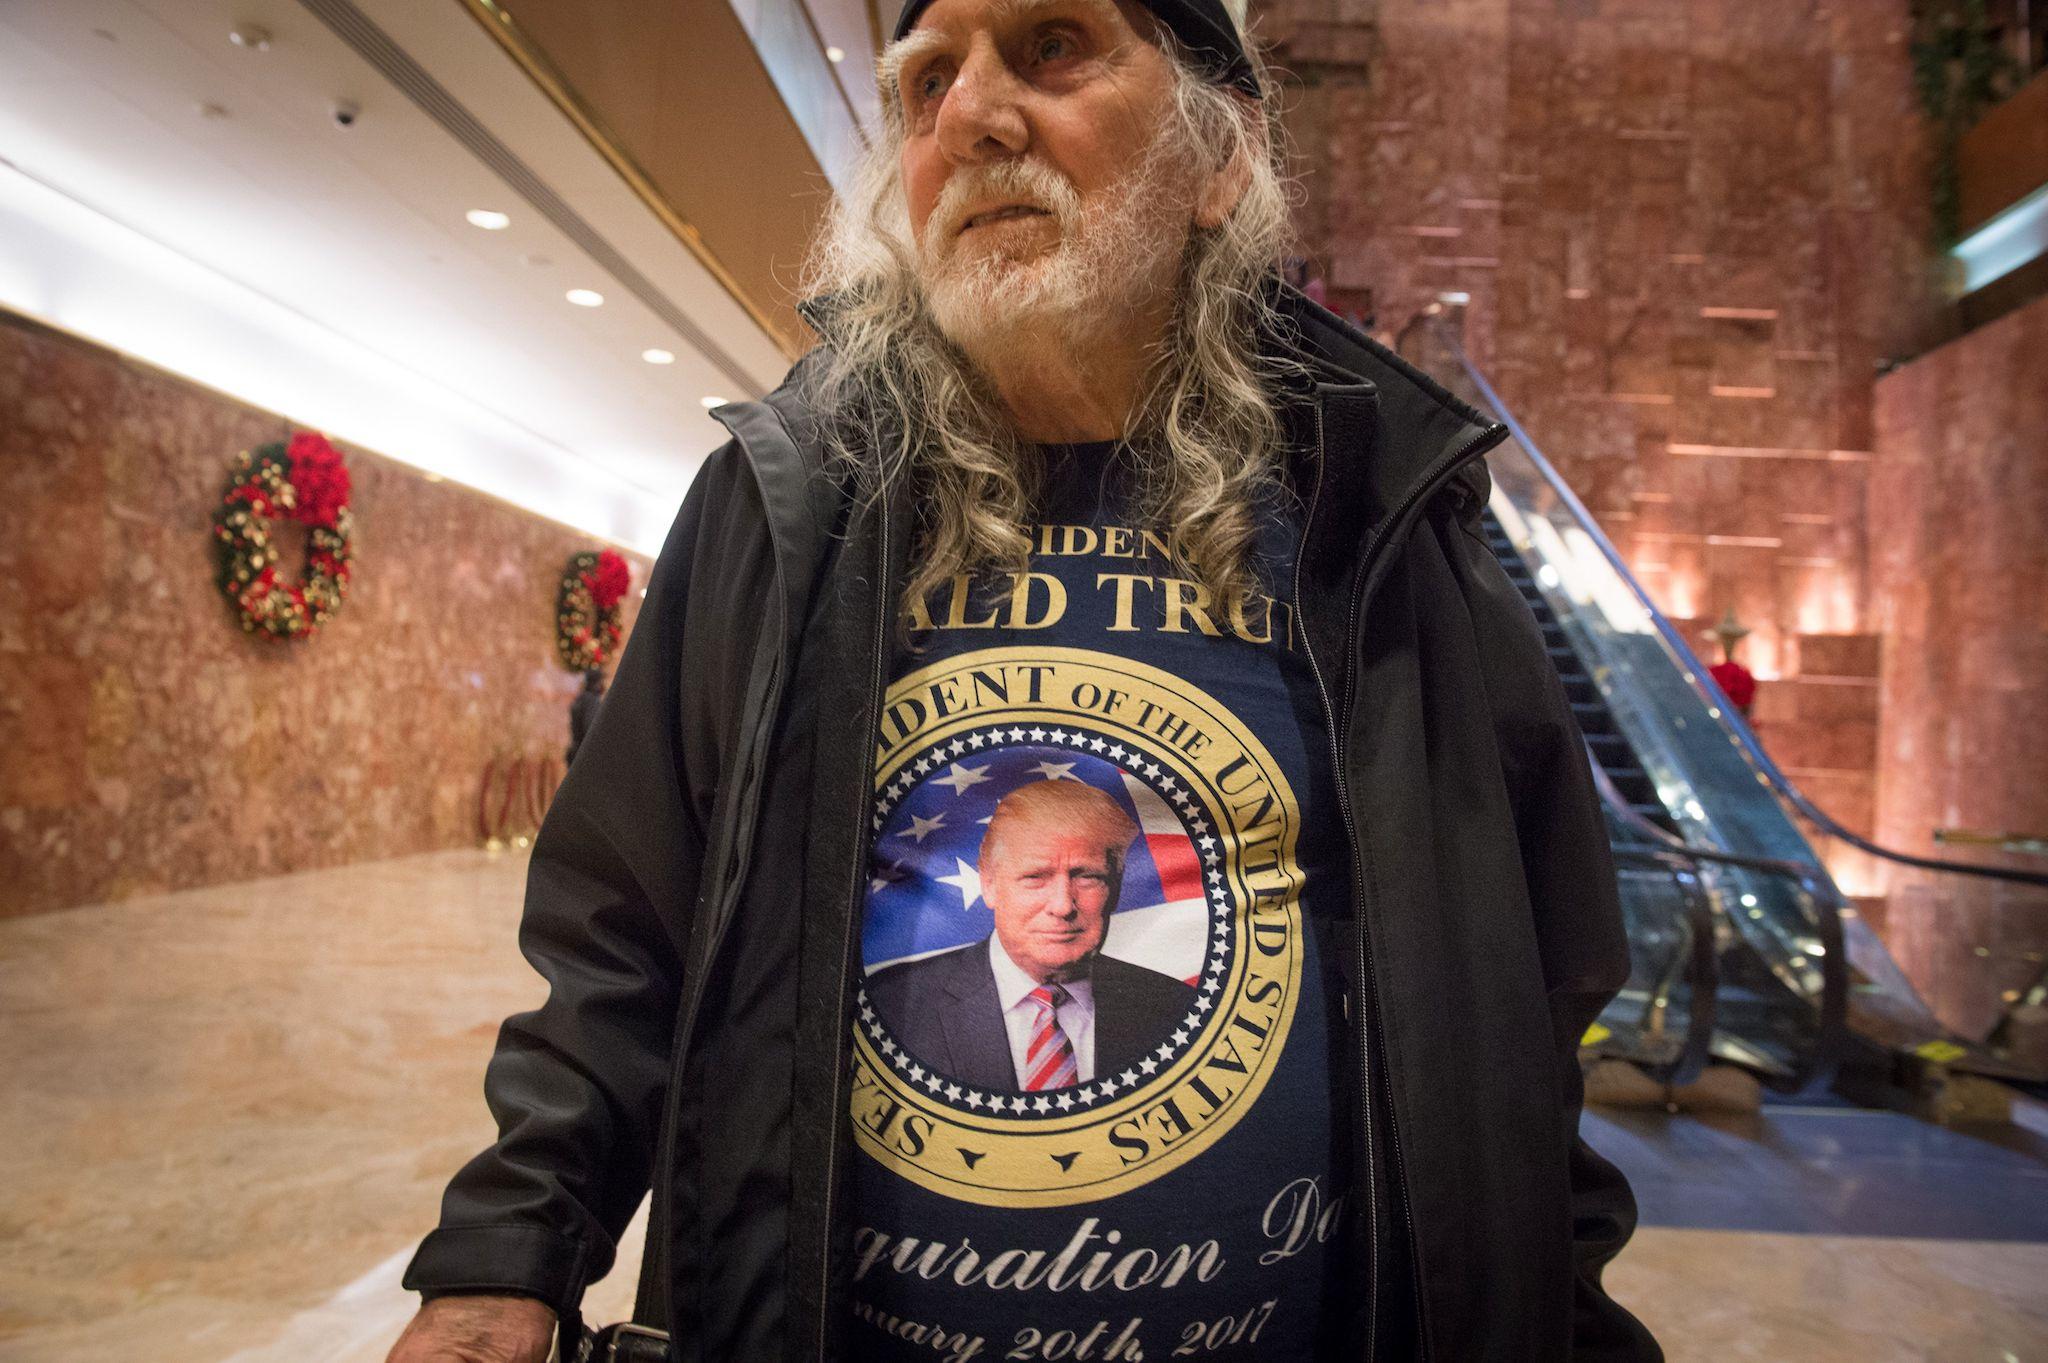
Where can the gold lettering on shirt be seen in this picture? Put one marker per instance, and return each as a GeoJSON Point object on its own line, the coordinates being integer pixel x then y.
{"type": "Point", "coordinates": [1125, 586]}
{"type": "Point", "coordinates": [1187, 601]}
{"type": "Point", "coordinates": [1022, 591]}
{"type": "Point", "coordinates": [1138, 602]}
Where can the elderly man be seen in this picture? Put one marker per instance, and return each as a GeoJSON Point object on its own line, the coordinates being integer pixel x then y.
{"type": "Point", "coordinates": [1074, 484]}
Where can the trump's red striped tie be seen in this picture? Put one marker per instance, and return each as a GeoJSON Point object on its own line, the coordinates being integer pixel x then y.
{"type": "Point", "coordinates": [1049, 1063]}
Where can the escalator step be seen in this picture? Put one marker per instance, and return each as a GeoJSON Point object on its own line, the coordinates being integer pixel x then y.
{"type": "Point", "coordinates": [1592, 718]}
{"type": "Point", "coordinates": [1637, 792]}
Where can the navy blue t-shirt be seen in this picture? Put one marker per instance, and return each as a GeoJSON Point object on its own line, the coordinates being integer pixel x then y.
{"type": "Point", "coordinates": [1101, 1063]}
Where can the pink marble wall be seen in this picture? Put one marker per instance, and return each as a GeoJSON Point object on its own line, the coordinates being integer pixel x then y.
{"type": "Point", "coordinates": [1959, 567]}
{"type": "Point", "coordinates": [1689, 229]}
{"type": "Point", "coordinates": [146, 743]}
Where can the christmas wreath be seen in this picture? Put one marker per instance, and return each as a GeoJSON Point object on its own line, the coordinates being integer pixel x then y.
{"type": "Point", "coordinates": [306, 481]}
{"type": "Point", "coordinates": [587, 615]}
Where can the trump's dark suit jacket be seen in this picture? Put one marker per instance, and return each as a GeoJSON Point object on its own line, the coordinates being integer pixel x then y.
{"type": "Point", "coordinates": [944, 1010]}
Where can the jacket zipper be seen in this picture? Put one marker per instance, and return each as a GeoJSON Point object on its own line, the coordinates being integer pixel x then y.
{"type": "Point", "coordinates": [855, 905]}
{"type": "Point", "coordinates": [1440, 473]}
{"type": "Point", "coordinates": [1372, 1283]}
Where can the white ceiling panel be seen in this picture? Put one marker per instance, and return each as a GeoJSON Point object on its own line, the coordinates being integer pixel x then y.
{"type": "Point", "coordinates": [231, 161]}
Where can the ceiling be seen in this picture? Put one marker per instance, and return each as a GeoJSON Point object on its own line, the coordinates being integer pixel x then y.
{"type": "Point", "coordinates": [197, 203]}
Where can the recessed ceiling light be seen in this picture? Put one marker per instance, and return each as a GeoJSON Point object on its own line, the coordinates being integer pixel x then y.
{"type": "Point", "coordinates": [711, 402]}
{"type": "Point", "coordinates": [835, 54]}
{"type": "Point", "coordinates": [255, 37]}
{"type": "Point", "coordinates": [490, 219]}
{"type": "Point", "coordinates": [585, 298]}
{"type": "Point", "coordinates": [658, 356]}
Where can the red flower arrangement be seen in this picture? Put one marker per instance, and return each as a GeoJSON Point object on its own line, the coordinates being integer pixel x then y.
{"type": "Point", "coordinates": [588, 618]}
{"type": "Point", "coordinates": [609, 580]}
{"type": "Point", "coordinates": [306, 481]}
{"type": "Point", "coordinates": [320, 479]}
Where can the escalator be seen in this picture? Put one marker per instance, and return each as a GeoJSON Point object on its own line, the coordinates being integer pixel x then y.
{"type": "Point", "coordinates": [1609, 749]}
{"type": "Point", "coordinates": [1743, 949]}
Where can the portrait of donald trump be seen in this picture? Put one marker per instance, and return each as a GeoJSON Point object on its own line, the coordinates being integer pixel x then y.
{"type": "Point", "coordinates": [1037, 1005]}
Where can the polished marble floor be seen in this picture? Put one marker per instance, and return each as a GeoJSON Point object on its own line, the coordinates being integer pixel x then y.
{"type": "Point", "coordinates": [230, 1111]}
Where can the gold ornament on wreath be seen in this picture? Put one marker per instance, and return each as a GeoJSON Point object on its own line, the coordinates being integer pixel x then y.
{"type": "Point", "coordinates": [588, 616]}
{"type": "Point", "coordinates": [304, 480]}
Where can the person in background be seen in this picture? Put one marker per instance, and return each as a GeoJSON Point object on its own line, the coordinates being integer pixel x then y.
{"type": "Point", "coordinates": [1737, 682]}
{"type": "Point", "coordinates": [583, 709]}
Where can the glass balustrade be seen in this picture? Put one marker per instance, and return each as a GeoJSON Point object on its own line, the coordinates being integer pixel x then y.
{"type": "Point", "coordinates": [1778, 982]}
{"type": "Point", "coordinates": [1663, 1018]}
{"type": "Point", "coordinates": [1709, 841]}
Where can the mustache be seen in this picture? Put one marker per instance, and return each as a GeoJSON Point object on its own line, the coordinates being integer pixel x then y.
{"type": "Point", "coordinates": [1023, 180]}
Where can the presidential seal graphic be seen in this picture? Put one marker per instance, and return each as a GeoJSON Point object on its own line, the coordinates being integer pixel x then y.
{"type": "Point", "coordinates": [1082, 947]}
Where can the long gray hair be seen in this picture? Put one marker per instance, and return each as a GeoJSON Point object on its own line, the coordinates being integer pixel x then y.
{"type": "Point", "coordinates": [899, 400]}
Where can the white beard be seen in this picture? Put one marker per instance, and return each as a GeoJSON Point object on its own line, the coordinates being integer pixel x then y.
{"type": "Point", "coordinates": [998, 301]}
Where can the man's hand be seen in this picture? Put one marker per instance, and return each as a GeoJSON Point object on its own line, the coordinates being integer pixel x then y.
{"type": "Point", "coordinates": [477, 1330]}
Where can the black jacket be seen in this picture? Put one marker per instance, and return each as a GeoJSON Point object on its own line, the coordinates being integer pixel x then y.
{"type": "Point", "coordinates": [695, 891]}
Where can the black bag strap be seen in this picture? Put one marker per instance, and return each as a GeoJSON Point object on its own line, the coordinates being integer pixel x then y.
{"type": "Point", "coordinates": [802, 508]}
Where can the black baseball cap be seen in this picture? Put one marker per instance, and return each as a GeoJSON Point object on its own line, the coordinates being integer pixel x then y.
{"type": "Point", "coordinates": [1203, 26]}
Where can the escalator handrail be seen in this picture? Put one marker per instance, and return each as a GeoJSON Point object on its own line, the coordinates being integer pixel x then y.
{"type": "Point", "coordinates": [1702, 967]}
{"type": "Point", "coordinates": [1809, 875]}
{"type": "Point", "coordinates": [1829, 901]}
{"type": "Point", "coordinates": [1701, 679]}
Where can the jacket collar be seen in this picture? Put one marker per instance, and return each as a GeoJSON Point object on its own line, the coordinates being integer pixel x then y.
{"type": "Point", "coordinates": [1373, 443]}
{"type": "Point", "coordinates": [1387, 427]}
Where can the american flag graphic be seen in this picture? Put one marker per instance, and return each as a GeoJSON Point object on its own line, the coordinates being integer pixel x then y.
{"type": "Point", "coordinates": [924, 890]}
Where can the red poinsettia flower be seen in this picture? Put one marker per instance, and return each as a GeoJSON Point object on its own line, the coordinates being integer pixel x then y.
{"type": "Point", "coordinates": [319, 477]}
{"type": "Point", "coordinates": [609, 580]}
{"type": "Point", "coordinates": [256, 497]}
